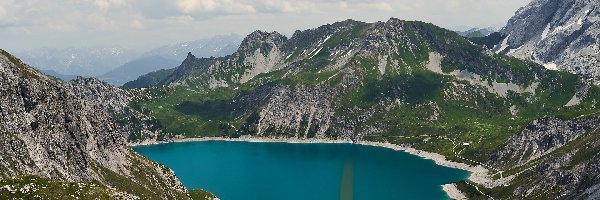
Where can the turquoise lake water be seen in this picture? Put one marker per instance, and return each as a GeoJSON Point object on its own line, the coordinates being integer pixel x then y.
{"type": "Point", "coordinates": [278, 171]}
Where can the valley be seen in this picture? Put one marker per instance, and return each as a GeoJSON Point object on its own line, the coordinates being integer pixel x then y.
{"type": "Point", "coordinates": [473, 114]}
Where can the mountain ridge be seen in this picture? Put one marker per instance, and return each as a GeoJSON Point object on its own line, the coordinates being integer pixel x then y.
{"type": "Point", "coordinates": [51, 137]}
{"type": "Point", "coordinates": [561, 35]}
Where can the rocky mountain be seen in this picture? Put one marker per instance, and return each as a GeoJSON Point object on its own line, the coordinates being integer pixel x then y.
{"type": "Point", "coordinates": [407, 83]}
{"type": "Point", "coordinates": [90, 61]}
{"type": "Point", "coordinates": [56, 144]}
{"type": "Point", "coordinates": [136, 122]}
{"type": "Point", "coordinates": [561, 35]}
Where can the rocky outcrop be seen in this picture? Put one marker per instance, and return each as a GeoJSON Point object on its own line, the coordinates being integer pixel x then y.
{"type": "Point", "coordinates": [540, 138]}
{"type": "Point", "coordinates": [47, 130]}
{"type": "Point", "coordinates": [44, 116]}
{"type": "Point", "coordinates": [101, 93]}
{"type": "Point", "coordinates": [303, 112]}
{"type": "Point", "coordinates": [137, 126]}
{"type": "Point", "coordinates": [559, 158]}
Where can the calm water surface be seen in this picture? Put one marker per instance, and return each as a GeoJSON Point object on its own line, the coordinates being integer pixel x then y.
{"type": "Point", "coordinates": [277, 171]}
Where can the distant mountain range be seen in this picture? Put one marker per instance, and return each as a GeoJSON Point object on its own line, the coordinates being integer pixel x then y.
{"type": "Point", "coordinates": [119, 65]}
{"type": "Point", "coordinates": [170, 56]}
{"type": "Point", "coordinates": [91, 61]}
{"type": "Point", "coordinates": [216, 46]}
{"type": "Point", "coordinates": [132, 70]}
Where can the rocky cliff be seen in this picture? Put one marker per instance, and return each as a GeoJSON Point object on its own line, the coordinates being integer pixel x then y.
{"type": "Point", "coordinates": [559, 34]}
{"type": "Point", "coordinates": [48, 130]}
{"type": "Point", "coordinates": [135, 123]}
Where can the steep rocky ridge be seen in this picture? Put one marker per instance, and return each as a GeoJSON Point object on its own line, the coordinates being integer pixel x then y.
{"type": "Point", "coordinates": [46, 130]}
{"type": "Point", "coordinates": [552, 158]}
{"type": "Point", "coordinates": [558, 34]}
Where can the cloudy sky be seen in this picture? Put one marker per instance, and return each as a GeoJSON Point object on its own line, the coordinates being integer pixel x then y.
{"type": "Point", "coordinates": [28, 24]}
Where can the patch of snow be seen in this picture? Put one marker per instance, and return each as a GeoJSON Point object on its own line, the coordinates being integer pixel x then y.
{"type": "Point", "coordinates": [332, 76]}
{"type": "Point", "coordinates": [325, 40]}
{"type": "Point", "coordinates": [504, 45]}
{"type": "Point", "coordinates": [563, 28]}
{"type": "Point", "coordinates": [382, 64]}
{"type": "Point", "coordinates": [574, 101]}
{"type": "Point", "coordinates": [317, 52]}
{"type": "Point", "coordinates": [546, 31]}
{"type": "Point", "coordinates": [347, 54]}
{"type": "Point", "coordinates": [551, 66]}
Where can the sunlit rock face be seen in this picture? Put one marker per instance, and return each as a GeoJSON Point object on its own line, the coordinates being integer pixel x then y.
{"type": "Point", "coordinates": [561, 35]}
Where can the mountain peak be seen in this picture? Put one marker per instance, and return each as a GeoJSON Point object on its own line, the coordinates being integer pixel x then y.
{"type": "Point", "coordinates": [190, 56]}
{"type": "Point", "coordinates": [259, 39]}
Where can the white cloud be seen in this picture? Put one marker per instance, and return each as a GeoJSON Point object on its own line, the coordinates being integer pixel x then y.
{"type": "Point", "coordinates": [287, 6]}
{"type": "Point", "coordinates": [4, 6]}
{"type": "Point", "coordinates": [215, 7]}
{"type": "Point", "coordinates": [106, 4]}
{"type": "Point", "coordinates": [2, 13]}
{"type": "Point", "coordinates": [187, 6]}
{"type": "Point", "coordinates": [384, 6]}
{"type": "Point", "coordinates": [164, 21]}
{"type": "Point", "coordinates": [137, 24]}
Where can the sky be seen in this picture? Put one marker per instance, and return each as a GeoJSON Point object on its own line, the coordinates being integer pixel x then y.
{"type": "Point", "coordinates": [31, 24]}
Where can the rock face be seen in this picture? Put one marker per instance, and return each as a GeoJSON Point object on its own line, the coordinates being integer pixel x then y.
{"type": "Point", "coordinates": [542, 137]}
{"type": "Point", "coordinates": [555, 155]}
{"type": "Point", "coordinates": [137, 126]}
{"type": "Point", "coordinates": [559, 34]}
{"type": "Point", "coordinates": [48, 130]}
{"type": "Point", "coordinates": [305, 112]}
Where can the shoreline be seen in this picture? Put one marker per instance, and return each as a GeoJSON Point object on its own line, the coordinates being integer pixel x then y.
{"type": "Point", "coordinates": [477, 174]}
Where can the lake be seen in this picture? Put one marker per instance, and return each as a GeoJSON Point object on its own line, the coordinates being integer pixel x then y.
{"type": "Point", "coordinates": [276, 171]}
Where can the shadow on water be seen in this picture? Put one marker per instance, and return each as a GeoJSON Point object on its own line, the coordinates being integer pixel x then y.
{"type": "Point", "coordinates": [346, 183]}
